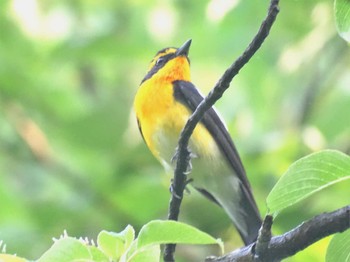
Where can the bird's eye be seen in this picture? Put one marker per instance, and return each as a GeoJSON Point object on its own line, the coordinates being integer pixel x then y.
{"type": "Point", "coordinates": [160, 61]}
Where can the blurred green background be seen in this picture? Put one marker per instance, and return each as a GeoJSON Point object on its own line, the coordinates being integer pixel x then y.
{"type": "Point", "coordinates": [71, 157]}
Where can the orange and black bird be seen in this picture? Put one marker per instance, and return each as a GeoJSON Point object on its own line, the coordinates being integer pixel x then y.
{"type": "Point", "coordinates": [163, 103]}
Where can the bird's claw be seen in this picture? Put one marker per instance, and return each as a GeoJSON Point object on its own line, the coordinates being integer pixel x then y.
{"type": "Point", "coordinates": [190, 157]}
{"type": "Point", "coordinates": [187, 190]}
{"type": "Point", "coordinates": [172, 191]}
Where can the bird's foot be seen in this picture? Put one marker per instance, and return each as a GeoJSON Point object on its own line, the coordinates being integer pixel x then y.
{"type": "Point", "coordinates": [189, 160]}
{"type": "Point", "coordinates": [187, 190]}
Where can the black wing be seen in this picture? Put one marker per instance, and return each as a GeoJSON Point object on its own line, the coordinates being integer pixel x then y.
{"type": "Point", "coordinates": [186, 93]}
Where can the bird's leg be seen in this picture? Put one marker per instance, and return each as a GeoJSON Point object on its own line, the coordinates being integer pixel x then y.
{"type": "Point", "coordinates": [189, 160]}
{"type": "Point", "coordinates": [187, 172]}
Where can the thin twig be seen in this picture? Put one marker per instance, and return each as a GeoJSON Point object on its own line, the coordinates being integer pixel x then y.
{"type": "Point", "coordinates": [297, 239]}
{"type": "Point", "coordinates": [183, 155]}
{"type": "Point", "coordinates": [264, 238]}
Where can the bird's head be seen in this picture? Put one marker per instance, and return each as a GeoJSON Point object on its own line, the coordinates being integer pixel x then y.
{"type": "Point", "coordinates": [171, 64]}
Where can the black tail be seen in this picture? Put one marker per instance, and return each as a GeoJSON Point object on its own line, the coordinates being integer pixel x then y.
{"type": "Point", "coordinates": [251, 217]}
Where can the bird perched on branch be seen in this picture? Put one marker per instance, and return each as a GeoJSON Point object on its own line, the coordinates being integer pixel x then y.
{"type": "Point", "coordinates": [163, 103]}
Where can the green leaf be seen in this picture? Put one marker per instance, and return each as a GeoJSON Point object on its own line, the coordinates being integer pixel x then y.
{"type": "Point", "coordinates": [307, 176]}
{"type": "Point", "coordinates": [97, 254]}
{"type": "Point", "coordinates": [339, 248]}
{"type": "Point", "coordinates": [67, 249]}
{"type": "Point", "coordinates": [165, 232]}
{"type": "Point", "coordinates": [342, 18]}
{"type": "Point", "coordinates": [115, 244]}
{"type": "Point", "coordinates": [11, 258]}
{"type": "Point", "coordinates": [149, 253]}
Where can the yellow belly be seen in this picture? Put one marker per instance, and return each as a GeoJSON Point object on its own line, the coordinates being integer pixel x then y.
{"type": "Point", "coordinates": [165, 138]}
{"type": "Point", "coordinates": [162, 118]}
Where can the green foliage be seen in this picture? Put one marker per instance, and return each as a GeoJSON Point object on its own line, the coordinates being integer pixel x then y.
{"type": "Point", "coordinates": [115, 244]}
{"type": "Point", "coordinates": [71, 249]}
{"type": "Point", "coordinates": [123, 246]}
{"type": "Point", "coordinates": [342, 18]}
{"type": "Point", "coordinates": [166, 232]}
{"type": "Point", "coordinates": [11, 258]}
{"type": "Point", "coordinates": [71, 156]}
{"type": "Point", "coordinates": [339, 248]}
{"type": "Point", "coordinates": [307, 176]}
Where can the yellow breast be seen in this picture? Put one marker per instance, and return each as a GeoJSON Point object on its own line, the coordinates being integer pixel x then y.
{"type": "Point", "coordinates": [162, 118]}
{"type": "Point", "coordinates": [152, 104]}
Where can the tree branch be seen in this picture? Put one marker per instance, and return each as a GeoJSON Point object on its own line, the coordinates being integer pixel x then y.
{"type": "Point", "coordinates": [264, 238]}
{"type": "Point", "coordinates": [297, 239]}
{"type": "Point", "coordinates": [183, 155]}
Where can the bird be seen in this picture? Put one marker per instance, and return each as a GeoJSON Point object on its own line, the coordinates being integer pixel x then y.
{"type": "Point", "coordinates": [163, 103]}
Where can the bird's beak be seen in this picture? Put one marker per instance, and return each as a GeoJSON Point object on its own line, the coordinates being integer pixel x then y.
{"type": "Point", "coordinates": [184, 49]}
